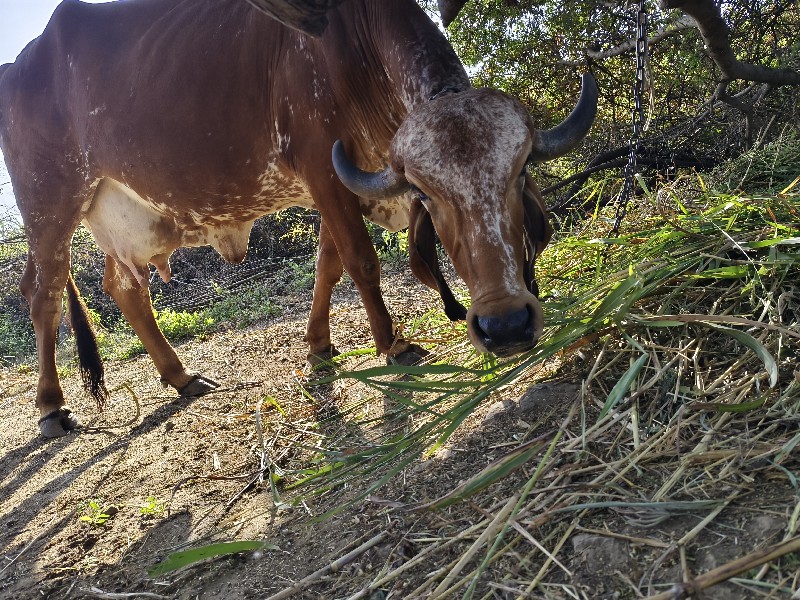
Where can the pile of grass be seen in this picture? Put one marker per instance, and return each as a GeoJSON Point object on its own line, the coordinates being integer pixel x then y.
{"type": "Point", "coordinates": [768, 168]}
{"type": "Point", "coordinates": [683, 335]}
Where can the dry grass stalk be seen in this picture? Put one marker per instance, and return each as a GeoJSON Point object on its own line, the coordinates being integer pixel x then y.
{"type": "Point", "coordinates": [729, 570]}
{"type": "Point", "coordinates": [333, 567]}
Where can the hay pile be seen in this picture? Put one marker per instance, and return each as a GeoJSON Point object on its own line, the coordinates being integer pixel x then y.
{"type": "Point", "coordinates": [683, 337]}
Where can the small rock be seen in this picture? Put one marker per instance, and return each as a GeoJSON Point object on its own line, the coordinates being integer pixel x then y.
{"type": "Point", "coordinates": [543, 395]}
{"type": "Point", "coordinates": [498, 409]}
{"type": "Point", "coordinates": [765, 527]}
{"type": "Point", "coordinates": [603, 554]}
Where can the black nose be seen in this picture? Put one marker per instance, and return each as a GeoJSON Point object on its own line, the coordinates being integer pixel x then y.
{"type": "Point", "coordinates": [509, 334]}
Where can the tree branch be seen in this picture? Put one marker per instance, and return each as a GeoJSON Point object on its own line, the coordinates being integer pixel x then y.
{"type": "Point", "coordinates": [716, 35]}
{"type": "Point", "coordinates": [449, 10]}
{"type": "Point", "coordinates": [685, 22]}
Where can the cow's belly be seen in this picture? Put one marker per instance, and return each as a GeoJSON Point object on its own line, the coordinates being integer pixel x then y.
{"type": "Point", "coordinates": [135, 232]}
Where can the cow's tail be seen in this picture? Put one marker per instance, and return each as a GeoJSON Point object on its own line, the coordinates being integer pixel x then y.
{"type": "Point", "coordinates": [91, 365]}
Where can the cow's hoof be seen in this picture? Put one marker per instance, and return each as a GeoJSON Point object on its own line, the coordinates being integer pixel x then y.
{"type": "Point", "coordinates": [413, 355]}
{"type": "Point", "coordinates": [198, 386]}
{"type": "Point", "coordinates": [319, 360]}
{"type": "Point", "coordinates": [58, 423]}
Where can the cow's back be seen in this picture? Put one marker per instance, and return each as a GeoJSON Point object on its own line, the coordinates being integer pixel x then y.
{"type": "Point", "coordinates": [208, 108]}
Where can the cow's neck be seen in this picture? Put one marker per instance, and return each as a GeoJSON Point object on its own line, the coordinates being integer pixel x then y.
{"type": "Point", "coordinates": [409, 61]}
{"type": "Point", "coordinates": [420, 60]}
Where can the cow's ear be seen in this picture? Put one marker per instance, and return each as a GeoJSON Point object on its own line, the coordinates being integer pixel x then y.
{"type": "Point", "coordinates": [538, 231]}
{"type": "Point", "coordinates": [425, 261]}
{"type": "Point", "coordinates": [421, 237]}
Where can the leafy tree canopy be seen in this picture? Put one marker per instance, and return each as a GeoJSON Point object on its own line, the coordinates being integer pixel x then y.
{"type": "Point", "coordinates": [536, 49]}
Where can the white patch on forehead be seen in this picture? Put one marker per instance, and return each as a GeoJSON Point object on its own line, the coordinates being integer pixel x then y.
{"type": "Point", "coordinates": [467, 147]}
{"type": "Point", "coordinates": [473, 138]}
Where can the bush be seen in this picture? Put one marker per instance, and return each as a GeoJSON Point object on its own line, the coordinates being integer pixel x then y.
{"type": "Point", "coordinates": [17, 340]}
{"type": "Point", "coordinates": [769, 168]}
{"type": "Point", "coordinates": [176, 326]}
{"type": "Point", "coordinates": [243, 308]}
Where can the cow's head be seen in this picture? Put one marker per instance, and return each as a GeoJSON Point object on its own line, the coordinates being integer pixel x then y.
{"type": "Point", "coordinates": [464, 156]}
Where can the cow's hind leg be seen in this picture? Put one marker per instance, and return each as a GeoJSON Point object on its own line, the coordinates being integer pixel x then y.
{"type": "Point", "coordinates": [135, 303]}
{"type": "Point", "coordinates": [328, 273]}
{"type": "Point", "coordinates": [43, 284]}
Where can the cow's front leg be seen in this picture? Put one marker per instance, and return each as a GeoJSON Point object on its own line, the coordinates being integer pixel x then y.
{"type": "Point", "coordinates": [328, 273]}
{"type": "Point", "coordinates": [134, 302]}
{"type": "Point", "coordinates": [357, 254]}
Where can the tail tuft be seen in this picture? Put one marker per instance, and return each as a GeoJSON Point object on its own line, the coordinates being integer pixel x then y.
{"type": "Point", "coordinates": [91, 365]}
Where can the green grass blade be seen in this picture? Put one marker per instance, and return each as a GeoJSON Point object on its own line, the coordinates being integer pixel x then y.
{"type": "Point", "coordinates": [494, 472]}
{"type": "Point", "coordinates": [185, 558]}
{"type": "Point", "coordinates": [748, 340]}
{"type": "Point", "coordinates": [623, 385]}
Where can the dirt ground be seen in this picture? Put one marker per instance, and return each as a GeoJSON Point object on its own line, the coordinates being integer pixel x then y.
{"type": "Point", "coordinates": [196, 459]}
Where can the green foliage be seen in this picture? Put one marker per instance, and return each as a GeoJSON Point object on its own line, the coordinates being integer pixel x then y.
{"type": "Point", "coordinates": [95, 512]}
{"type": "Point", "coordinates": [302, 275]}
{"type": "Point", "coordinates": [175, 325]}
{"type": "Point", "coordinates": [17, 339]}
{"type": "Point", "coordinates": [287, 232]}
{"type": "Point", "coordinates": [152, 508]}
{"type": "Point", "coordinates": [180, 325]}
{"type": "Point", "coordinates": [389, 245]}
{"type": "Point", "coordinates": [13, 245]}
{"type": "Point", "coordinates": [536, 49]}
{"type": "Point", "coordinates": [243, 308]}
{"type": "Point", "coordinates": [766, 169]}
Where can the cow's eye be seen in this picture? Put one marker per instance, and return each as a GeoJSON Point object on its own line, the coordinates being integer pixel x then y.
{"type": "Point", "coordinates": [419, 194]}
{"type": "Point", "coordinates": [525, 167]}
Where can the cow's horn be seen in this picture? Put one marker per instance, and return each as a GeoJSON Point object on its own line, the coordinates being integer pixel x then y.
{"type": "Point", "coordinates": [552, 143]}
{"type": "Point", "coordinates": [383, 184]}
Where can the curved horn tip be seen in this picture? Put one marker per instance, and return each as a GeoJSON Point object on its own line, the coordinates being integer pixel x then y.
{"type": "Point", "coordinates": [561, 139]}
{"type": "Point", "coordinates": [380, 185]}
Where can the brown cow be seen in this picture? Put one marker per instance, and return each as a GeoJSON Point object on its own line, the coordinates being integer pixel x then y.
{"type": "Point", "coordinates": [168, 123]}
{"type": "Point", "coordinates": [310, 16]}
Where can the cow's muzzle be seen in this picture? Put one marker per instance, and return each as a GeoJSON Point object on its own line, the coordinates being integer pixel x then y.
{"type": "Point", "coordinates": [507, 334]}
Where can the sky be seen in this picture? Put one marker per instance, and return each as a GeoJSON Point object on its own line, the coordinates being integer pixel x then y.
{"type": "Point", "coordinates": [20, 22]}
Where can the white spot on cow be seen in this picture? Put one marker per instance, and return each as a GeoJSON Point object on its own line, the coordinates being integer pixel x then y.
{"type": "Point", "coordinates": [466, 147]}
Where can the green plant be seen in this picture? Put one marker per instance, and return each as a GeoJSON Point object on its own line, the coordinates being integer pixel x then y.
{"type": "Point", "coordinates": [17, 339]}
{"type": "Point", "coordinates": [244, 307]}
{"type": "Point", "coordinates": [185, 558]}
{"type": "Point", "coordinates": [175, 325]}
{"type": "Point", "coordinates": [95, 512]}
{"type": "Point", "coordinates": [151, 507]}
{"type": "Point", "coordinates": [302, 274]}
{"type": "Point", "coordinates": [180, 325]}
